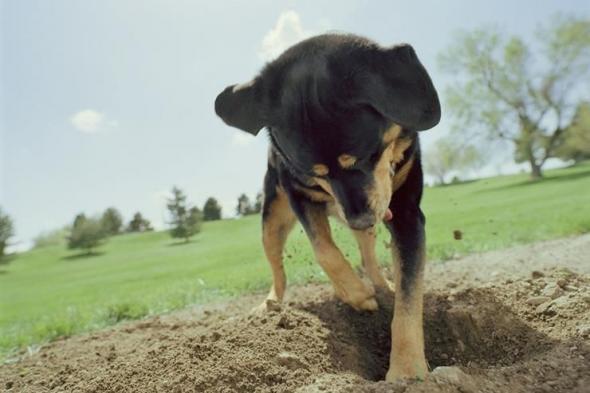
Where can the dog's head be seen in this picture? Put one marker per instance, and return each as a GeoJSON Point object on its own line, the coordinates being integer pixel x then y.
{"type": "Point", "coordinates": [335, 106]}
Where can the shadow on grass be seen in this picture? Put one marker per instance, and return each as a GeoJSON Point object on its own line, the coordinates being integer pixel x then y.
{"type": "Point", "coordinates": [456, 183]}
{"type": "Point", "coordinates": [181, 243]}
{"type": "Point", "coordinates": [6, 259]}
{"type": "Point", "coordinates": [546, 180]}
{"type": "Point", "coordinates": [84, 255]}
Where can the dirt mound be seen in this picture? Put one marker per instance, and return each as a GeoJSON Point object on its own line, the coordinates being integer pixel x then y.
{"type": "Point", "coordinates": [528, 334]}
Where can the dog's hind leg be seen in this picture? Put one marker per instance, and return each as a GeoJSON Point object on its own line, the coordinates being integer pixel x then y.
{"type": "Point", "coordinates": [277, 221]}
{"type": "Point", "coordinates": [366, 242]}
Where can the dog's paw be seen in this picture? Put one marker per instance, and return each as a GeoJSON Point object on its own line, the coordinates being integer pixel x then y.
{"type": "Point", "coordinates": [385, 287]}
{"type": "Point", "coordinates": [368, 305]}
{"type": "Point", "coordinates": [415, 369]}
{"type": "Point", "coordinates": [266, 306]}
{"type": "Point", "coordinates": [360, 297]}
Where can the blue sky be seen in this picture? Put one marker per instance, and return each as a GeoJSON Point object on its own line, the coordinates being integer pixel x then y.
{"type": "Point", "coordinates": [110, 103]}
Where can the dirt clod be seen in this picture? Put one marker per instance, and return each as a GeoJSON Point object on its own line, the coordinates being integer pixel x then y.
{"type": "Point", "coordinates": [537, 300]}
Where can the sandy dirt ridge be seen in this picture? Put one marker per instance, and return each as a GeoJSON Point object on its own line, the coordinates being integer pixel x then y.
{"type": "Point", "coordinates": [516, 320]}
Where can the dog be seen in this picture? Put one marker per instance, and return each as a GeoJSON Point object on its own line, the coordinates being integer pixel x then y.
{"type": "Point", "coordinates": [343, 116]}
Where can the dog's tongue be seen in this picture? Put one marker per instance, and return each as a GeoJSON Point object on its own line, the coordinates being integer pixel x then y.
{"type": "Point", "coordinates": [388, 215]}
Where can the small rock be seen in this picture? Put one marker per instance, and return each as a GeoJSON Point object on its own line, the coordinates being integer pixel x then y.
{"type": "Point", "coordinates": [536, 300]}
{"type": "Point", "coordinates": [273, 305]}
{"type": "Point", "coordinates": [285, 323]}
{"type": "Point", "coordinates": [9, 385]}
{"type": "Point", "coordinates": [562, 282]}
{"type": "Point", "coordinates": [452, 375]}
{"type": "Point", "coordinates": [584, 330]}
{"type": "Point", "coordinates": [537, 274]}
{"type": "Point", "coordinates": [552, 290]}
{"type": "Point", "coordinates": [571, 288]}
{"type": "Point", "coordinates": [289, 360]}
{"type": "Point", "coordinates": [543, 308]}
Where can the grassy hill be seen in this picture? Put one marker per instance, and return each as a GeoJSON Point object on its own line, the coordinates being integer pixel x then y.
{"type": "Point", "coordinates": [50, 292]}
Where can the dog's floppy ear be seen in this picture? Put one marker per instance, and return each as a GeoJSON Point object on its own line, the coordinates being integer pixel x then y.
{"type": "Point", "coordinates": [398, 87]}
{"type": "Point", "coordinates": [240, 106]}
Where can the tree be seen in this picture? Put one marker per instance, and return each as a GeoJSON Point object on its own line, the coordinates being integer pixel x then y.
{"type": "Point", "coordinates": [86, 234]}
{"type": "Point", "coordinates": [51, 238]}
{"type": "Point", "coordinates": [78, 220]}
{"type": "Point", "coordinates": [446, 156]}
{"type": "Point", "coordinates": [244, 207]}
{"type": "Point", "coordinates": [211, 210]}
{"type": "Point", "coordinates": [139, 224]}
{"type": "Point", "coordinates": [575, 144]}
{"type": "Point", "coordinates": [185, 221]}
{"type": "Point", "coordinates": [258, 204]}
{"type": "Point", "coordinates": [507, 90]}
{"type": "Point", "coordinates": [6, 231]}
{"type": "Point", "coordinates": [111, 221]}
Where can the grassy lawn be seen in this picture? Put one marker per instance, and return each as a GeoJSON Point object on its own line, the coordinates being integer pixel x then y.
{"type": "Point", "coordinates": [49, 292]}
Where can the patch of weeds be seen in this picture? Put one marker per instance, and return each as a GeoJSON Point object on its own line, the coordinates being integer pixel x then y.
{"type": "Point", "coordinates": [582, 227]}
{"type": "Point", "coordinates": [441, 253]}
{"type": "Point", "coordinates": [125, 311]}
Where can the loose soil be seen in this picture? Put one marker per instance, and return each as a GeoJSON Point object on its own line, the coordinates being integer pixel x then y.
{"type": "Point", "coordinates": [516, 320]}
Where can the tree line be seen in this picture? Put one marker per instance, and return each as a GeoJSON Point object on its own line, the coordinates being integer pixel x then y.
{"type": "Point", "coordinates": [86, 233]}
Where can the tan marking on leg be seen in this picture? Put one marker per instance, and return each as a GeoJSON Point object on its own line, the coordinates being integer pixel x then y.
{"type": "Point", "coordinates": [347, 285]}
{"type": "Point", "coordinates": [366, 242]}
{"type": "Point", "coordinates": [275, 230]}
{"type": "Point", "coordinates": [407, 359]}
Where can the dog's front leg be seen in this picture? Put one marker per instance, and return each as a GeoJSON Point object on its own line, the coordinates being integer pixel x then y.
{"type": "Point", "coordinates": [366, 242]}
{"type": "Point", "coordinates": [277, 221]}
{"type": "Point", "coordinates": [347, 284]}
{"type": "Point", "coordinates": [407, 358]}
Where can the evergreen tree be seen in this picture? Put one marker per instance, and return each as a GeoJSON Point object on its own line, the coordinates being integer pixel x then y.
{"type": "Point", "coordinates": [111, 221]}
{"type": "Point", "coordinates": [185, 221]}
{"type": "Point", "coordinates": [244, 207]}
{"type": "Point", "coordinates": [6, 231]}
{"type": "Point", "coordinates": [211, 210]}
{"type": "Point", "coordinates": [86, 234]}
{"type": "Point", "coordinates": [258, 204]}
{"type": "Point", "coordinates": [139, 224]}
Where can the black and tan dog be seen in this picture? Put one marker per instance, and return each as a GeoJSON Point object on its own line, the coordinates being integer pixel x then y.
{"type": "Point", "coordinates": [342, 114]}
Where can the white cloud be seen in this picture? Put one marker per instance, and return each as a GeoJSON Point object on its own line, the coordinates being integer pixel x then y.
{"type": "Point", "coordinates": [240, 138]}
{"type": "Point", "coordinates": [90, 121]}
{"type": "Point", "coordinates": [286, 32]}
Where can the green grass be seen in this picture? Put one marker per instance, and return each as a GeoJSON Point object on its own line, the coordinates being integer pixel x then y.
{"type": "Point", "coordinates": [49, 292]}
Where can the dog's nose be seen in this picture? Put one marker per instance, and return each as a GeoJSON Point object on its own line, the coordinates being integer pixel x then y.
{"type": "Point", "coordinates": [361, 221]}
